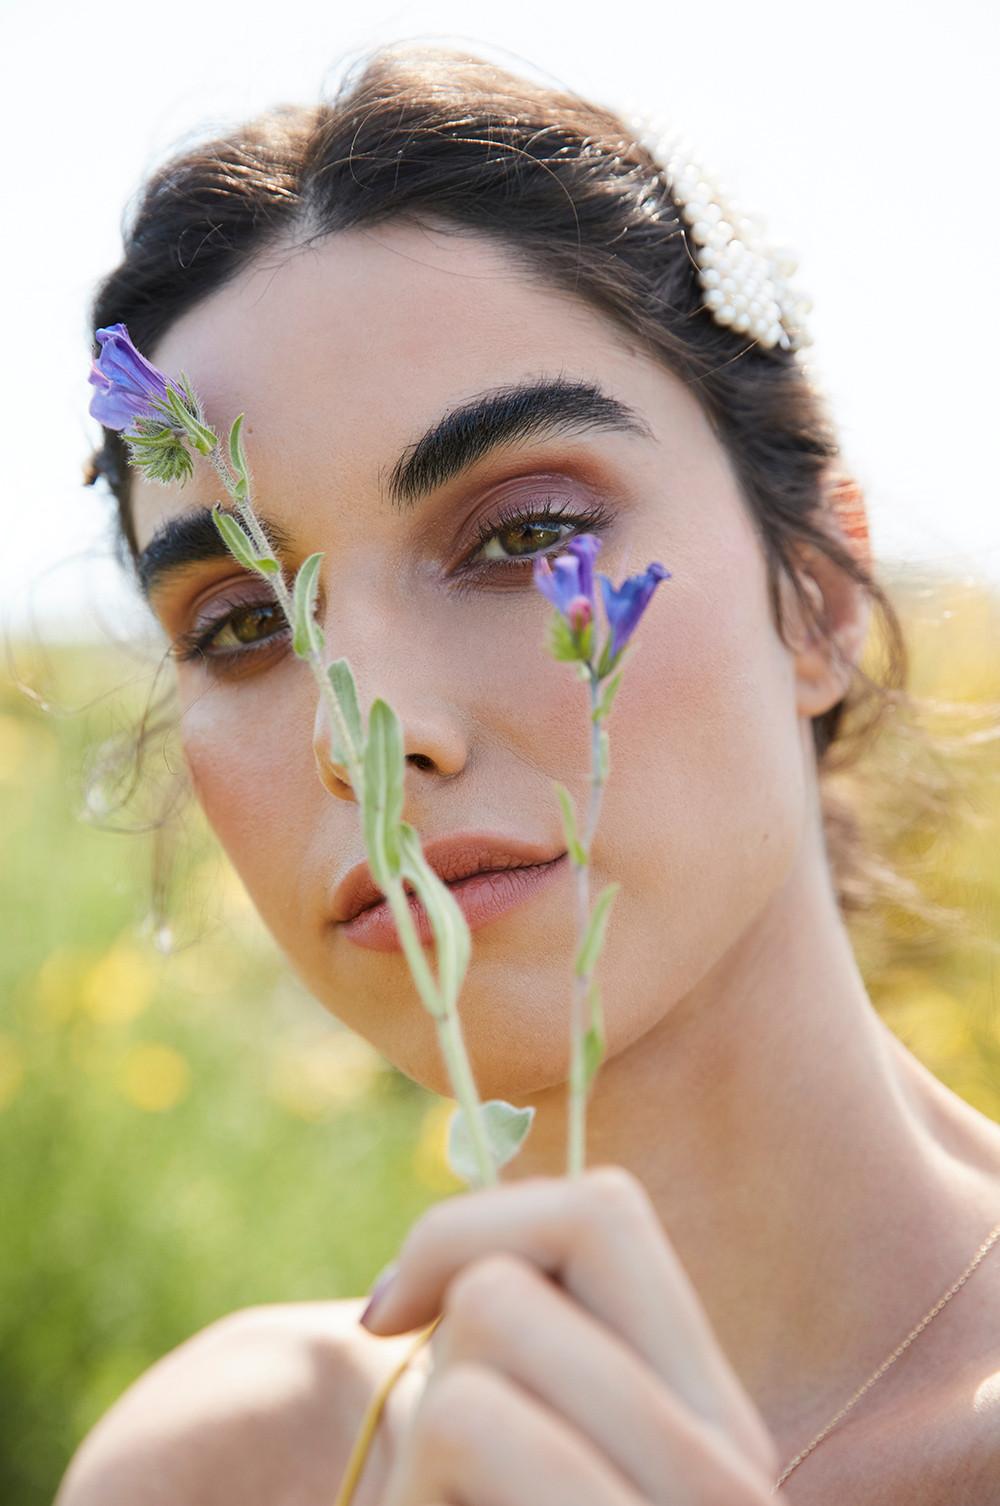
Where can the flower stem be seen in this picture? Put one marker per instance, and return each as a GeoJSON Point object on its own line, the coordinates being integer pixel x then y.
{"type": "Point", "coordinates": [441, 1008]}
{"type": "Point", "coordinates": [316, 665]}
{"type": "Point", "coordinates": [577, 1149]}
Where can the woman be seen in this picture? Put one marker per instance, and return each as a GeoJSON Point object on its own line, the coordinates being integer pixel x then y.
{"type": "Point", "coordinates": [464, 319]}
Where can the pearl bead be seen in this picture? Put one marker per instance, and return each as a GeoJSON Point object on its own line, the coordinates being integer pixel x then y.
{"type": "Point", "coordinates": [743, 278]}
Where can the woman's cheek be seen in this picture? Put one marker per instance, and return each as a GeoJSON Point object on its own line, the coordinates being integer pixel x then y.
{"type": "Point", "coordinates": [706, 791]}
{"type": "Point", "coordinates": [252, 771]}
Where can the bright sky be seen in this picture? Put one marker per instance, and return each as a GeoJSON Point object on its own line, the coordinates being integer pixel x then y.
{"type": "Point", "coordinates": [864, 133]}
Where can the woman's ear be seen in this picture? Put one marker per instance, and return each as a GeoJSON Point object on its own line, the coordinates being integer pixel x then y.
{"type": "Point", "coordinates": [824, 662]}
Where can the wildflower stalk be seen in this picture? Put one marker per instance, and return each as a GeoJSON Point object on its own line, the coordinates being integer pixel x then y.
{"type": "Point", "coordinates": [244, 506]}
{"type": "Point", "coordinates": [439, 1000]}
{"type": "Point", "coordinates": [582, 980]}
{"type": "Point", "coordinates": [568, 582]}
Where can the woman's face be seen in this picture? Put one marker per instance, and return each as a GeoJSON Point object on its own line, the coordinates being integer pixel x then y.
{"type": "Point", "coordinates": [342, 356]}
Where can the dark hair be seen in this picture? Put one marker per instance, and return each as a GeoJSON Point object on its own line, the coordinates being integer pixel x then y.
{"type": "Point", "coordinates": [433, 135]}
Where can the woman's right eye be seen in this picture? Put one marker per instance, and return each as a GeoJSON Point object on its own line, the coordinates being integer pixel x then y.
{"type": "Point", "coordinates": [234, 633]}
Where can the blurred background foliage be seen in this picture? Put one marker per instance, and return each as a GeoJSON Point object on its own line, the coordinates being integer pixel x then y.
{"type": "Point", "coordinates": [185, 1132]}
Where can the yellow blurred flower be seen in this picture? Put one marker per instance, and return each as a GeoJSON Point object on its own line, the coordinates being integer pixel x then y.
{"type": "Point", "coordinates": [57, 983]}
{"type": "Point", "coordinates": [11, 1069]}
{"type": "Point", "coordinates": [119, 986]}
{"type": "Point", "coordinates": [312, 1080]}
{"type": "Point", "coordinates": [430, 1163]}
{"type": "Point", "coordinates": [153, 1076]}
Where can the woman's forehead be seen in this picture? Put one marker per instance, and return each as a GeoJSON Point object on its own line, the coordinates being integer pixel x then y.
{"type": "Point", "coordinates": [364, 311]}
{"type": "Point", "coordinates": [352, 346]}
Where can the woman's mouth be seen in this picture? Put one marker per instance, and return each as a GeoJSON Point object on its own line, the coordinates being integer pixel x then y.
{"type": "Point", "coordinates": [482, 897]}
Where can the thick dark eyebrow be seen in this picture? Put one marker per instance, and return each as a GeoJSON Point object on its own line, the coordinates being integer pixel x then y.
{"type": "Point", "coordinates": [190, 539]}
{"type": "Point", "coordinates": [502, 416]}
{"type": "Point", "coordinates": [464, 435]}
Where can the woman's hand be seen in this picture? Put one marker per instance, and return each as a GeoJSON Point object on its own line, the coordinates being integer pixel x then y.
{"type": "Point", "coordinates": [604, 1386]}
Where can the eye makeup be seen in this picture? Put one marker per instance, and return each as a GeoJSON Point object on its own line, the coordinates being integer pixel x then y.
{"type": "Point", "coordinates": [245, 629]}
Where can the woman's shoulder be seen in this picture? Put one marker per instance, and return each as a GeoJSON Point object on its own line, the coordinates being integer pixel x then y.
{"type": "Point", "coordinates": [259, 1398]}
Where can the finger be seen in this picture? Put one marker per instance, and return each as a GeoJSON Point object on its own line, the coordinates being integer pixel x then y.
{"type": "Point", "coordinates": [503, 1313]}
{"type": "Point", "coordinates": [599, 1236]}
{"type": "Point", "coordinates": [477, 1438]}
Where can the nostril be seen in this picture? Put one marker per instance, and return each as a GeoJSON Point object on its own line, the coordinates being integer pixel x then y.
{"type": "Point", "coordinates": [421, 760]}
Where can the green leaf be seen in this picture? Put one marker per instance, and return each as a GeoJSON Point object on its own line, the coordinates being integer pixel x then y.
{"type": "Point", "coordinates": [593, 1053]}
{"type": "Point", "coordinates": [604, 706]}
{"type": "Point", "coordinates": [452, 939]}
{"type": "Point", "coordinates": [201, 436]}
{"type": "Point", "coordinates": [236, 452]}
{"type": "Point", "coordinates": [593, 1040]}
{"type": "Point", "coordinates": [562, 644]}
{"type": "Point", "coordinates": [162, 457]}
{"type": "Point", "coordinates": [240, 546]}
{"type": "Point", "coordinates": [576, 847]}
{"type": "Point", "coordinates": [344, 688]}
{"type": "Point", "coordinates": [593, 940]}
{"type": "Point", "coordinates": [384, 771]}
{"type": "Point", "coordinates": [268, 566]}
{"type": "Point", "coordinates": [307, 637]}
{"type": "Point", "coordinates": [192, 397]}
{"type": "Point", "coordinates": [505, 1128]}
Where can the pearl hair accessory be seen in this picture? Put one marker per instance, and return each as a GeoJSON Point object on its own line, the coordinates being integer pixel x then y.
{"type": "Point", "coordinates": [745, 282]}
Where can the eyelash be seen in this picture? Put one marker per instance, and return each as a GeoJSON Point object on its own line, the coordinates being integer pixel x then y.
{"type": "Point", "coordinates": [197, 643]}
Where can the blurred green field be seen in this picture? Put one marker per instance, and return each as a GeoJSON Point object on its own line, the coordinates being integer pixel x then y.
{"type": "Point", "coordinates": [186, 1132]}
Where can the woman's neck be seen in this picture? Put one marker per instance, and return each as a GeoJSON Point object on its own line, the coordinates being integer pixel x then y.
{"type": "Point", "coordinates": [820, 1187]}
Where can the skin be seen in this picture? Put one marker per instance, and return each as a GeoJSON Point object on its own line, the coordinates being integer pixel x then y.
{"type": "Point", "coordinates": [818, 1185]}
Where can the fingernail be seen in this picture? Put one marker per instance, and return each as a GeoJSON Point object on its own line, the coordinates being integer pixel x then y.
{"type": "Point", "coordinates": [382, 1284]}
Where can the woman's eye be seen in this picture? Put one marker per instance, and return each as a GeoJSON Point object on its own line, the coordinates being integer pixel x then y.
{"type": "Point", "coordinates": [525, 534]}
{"type": "Point", "coordinates": [517, 539]}
{"type": "Point", "coordinates": [241, 629]}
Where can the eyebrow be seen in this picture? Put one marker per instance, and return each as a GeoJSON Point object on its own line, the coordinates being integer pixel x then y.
{"type": "Point", "coordinates": [463, 436]}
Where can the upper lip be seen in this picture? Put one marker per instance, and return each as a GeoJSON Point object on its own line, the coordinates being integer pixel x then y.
{"type": "Point", "coordinates": [452, 858]}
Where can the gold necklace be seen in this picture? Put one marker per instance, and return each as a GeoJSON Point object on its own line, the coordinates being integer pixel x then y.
{"type": "Point", "coordinates": [886, 1363]}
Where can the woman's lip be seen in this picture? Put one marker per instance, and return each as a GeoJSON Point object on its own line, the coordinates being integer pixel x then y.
{"type": "Point", "coordinates": [481, 896]}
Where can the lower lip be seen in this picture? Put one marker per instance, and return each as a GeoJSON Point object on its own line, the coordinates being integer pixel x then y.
{"type": "Point", "coordinates": [481, 897]}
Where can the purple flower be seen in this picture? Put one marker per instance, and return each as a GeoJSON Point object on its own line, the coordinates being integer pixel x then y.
{"type": "Point", "coordinates": [127, 384]}
{"type": "Point", "coordinates": [570, 575]}
{"type": "Point", "coordinates": [626, 604]}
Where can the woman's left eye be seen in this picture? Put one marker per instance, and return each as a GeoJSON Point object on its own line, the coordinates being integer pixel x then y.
{"type": "Point", "coordinates": [535, 530]}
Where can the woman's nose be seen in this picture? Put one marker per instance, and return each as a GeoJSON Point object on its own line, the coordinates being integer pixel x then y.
{"type": "Point", "coordinates": [431, 742]}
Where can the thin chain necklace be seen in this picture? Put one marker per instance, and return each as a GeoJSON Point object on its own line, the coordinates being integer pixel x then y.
{"type": "Point", "coordinates": [886, 1363]}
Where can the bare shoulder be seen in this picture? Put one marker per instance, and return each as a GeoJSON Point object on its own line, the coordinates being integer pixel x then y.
{"type": "Point", "coordinates": [261, 1406]}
